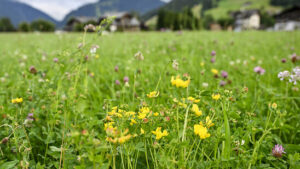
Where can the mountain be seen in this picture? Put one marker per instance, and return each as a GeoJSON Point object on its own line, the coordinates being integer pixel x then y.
{"type": "Point", "coordinates": [19, 12]}
{"type": "Point", "coordinates": [174, 5]}
{"type": "Point", "coordinates": [104, 6]}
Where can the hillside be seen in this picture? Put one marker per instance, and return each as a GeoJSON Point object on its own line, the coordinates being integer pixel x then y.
{"type": "Point", "coordinates": [103, 6]}
{"type": "Point", "coordinates": [20, 12]}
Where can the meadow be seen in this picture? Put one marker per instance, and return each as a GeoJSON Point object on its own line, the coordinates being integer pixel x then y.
{"type": "Point", "coordinates": [150, 100]}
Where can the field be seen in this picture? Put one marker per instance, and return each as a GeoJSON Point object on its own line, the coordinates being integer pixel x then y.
{"type": "Point", "coordinates": [187, 100]}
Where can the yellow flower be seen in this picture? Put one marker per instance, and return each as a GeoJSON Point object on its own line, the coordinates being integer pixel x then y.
{"type": "Point", "coordinates": [201, 131]}
{"type": "Point", "coordinates": [216, 96]}
{"type": "Point", "coordinates": [160, 134]}
{"type": "Point", "coordinates": [196, 110]}
{"type": "Point", "coordinates": [156, 114]}
{"type": "Point", "coordinates": [202, 64]}
{"type": "Point", "coordinates": [132, 122]}
{"type": "Point", "coordinates": [208, 121]}
{"type": "Point", "coordinates": [153, 94]}
{"type": "Point", "coordinates": [215, 71]}
{"type": "Point", "coordinates": [123, 139]}
{"type": "Point", "coordinates": [142, 131]}
{"type": "Point", "coordinates": [97, 56]}
{"type": "Point", "coordinates": [178, 82]}
{"type": "Point", "coordinates": [274, 106]}
{"type": "Point", "coordinates": [17, 100]}
{"type": "Point", "coordinates": [193, 100]}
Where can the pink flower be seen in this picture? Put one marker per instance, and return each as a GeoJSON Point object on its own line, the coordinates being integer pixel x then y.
{"type": "Point", "coordinates": [224, 74]}
{"type": "Point", "coordinates": [126, 79]}
{"type": "Point", "coordinates": [117, 82]}
{"type": "Point", "coordinates": [55, 60]}
{"type": "Point", "coordinates": [259, 70]}
{"type": "Point", "coordinates": [213, 53]}
{"type": "Point", "coordinates": [277, 151]}
{"type": "Point", "coordinates": [116, 68]}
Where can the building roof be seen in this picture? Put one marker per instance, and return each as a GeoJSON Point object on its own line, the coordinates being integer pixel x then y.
{"type": "Point", "coordinates": [243, 14]}
{"type": "Point", "coordinates": [290, 14]}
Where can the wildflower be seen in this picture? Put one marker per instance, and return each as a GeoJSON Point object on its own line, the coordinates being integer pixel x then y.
{"type": "Point", "coordinates": [160, 134]}
{"type": "Point", "coordinates": [126, 79]}
{"type": "Point", "coordinates": [156, 114]}
{"type": "Point", "coordinates": [224, 74]}
{"type": "Point", "coordinates": [295, 58]}
{"type": "Point", "coordinates": [295, 76]}
{"type": "Point", "coordinates": [201, 131]}
{"type": "Point", "coordinates": [139, 56]}
{"type": "Point", "coordinates": [32, 70]}
{"type": "Point", "coordinates": [215, 71]}
{"type": "Point", "coordinates": [216, 96]}
{"type": "Point", "coordinates": [153, 94]}
{"type": "Point", "coordinates": [17, 100]}
{"type": "Point", "coordinates": [196, 110]}
{"type": "Point", "coordinates": [213, 53]}
{"type": "Point", "coordinates": [97, 56]}
{"type": "Point", "coordinates": [116, 68]}
{"type": "Point", "coordinates": [213, 60]}
{"type": "Point", "coordinates": [283, 75]}
{"type": "Point", "coordinates": [205, 85]}
{"type": "Point", "coordinates": [193, 100]}
{"type": "Point", "coordinates": [55, 60]}
{"type": "Point", "coordinates": [93, 49]}
{"type": "Point", "coordinates": [178, 82]}
{"type": "Point", "coordinates": [259, 70]}
{"type": "Point", "coordinates": [202, 64]}
{"type": "Point", "coordinates": [175, 65]}
{"type": "Point", "coordinates": [117, 82]}
{"type": "Point", "coordinates": [89, 27]}
{"type": "Point", "coordinates": [208, 122]}
{"type": "Point", "coordinates": [274, 106]}
{"type": "Point", "coordinates": [132, 122]}
{"type": "Point", "coordinates": [222, 83]}
{"type": "Point", "coordinates": [142, 131]}
{"type": "Point", "coordinates": [30, 116]}
{"type": "Point", "coordinates": [277, 151]}
{"type": "Point", "coordinates": [283, 60]}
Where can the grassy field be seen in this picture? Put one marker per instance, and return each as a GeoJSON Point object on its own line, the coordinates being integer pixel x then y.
{"type": "Point", "coordinates": [188, 100]}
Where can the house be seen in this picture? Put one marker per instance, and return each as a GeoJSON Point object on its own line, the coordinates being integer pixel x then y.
{"type": "Point", "coordinates": [74, 21]}
{"type": "Point", "coordinates": [246, 20]}
{"type": "Point", "coordinates": [123, 21]}
{"type": "Point", "coordinates": [288, 20]}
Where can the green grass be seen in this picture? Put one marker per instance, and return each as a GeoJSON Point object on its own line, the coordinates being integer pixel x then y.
{"type": "Point", "coordinates": [71, 99]}
{"type": "Point", "coordinates": [226, 6]}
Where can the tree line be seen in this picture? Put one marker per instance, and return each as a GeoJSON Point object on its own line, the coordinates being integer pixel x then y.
{"type": "Point", "coordinates": [37, 25]}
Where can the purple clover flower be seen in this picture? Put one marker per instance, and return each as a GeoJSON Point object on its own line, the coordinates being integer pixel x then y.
{"type": "Point", "coordinates": [259, 70]}
{"type": "Point", "coordinates": [277, 151]}
{"type": "Point", "coordinates": [126, 79]}
{"type": "Point", "coordinates": [213, 53]}
{"type": "Point", "coordinates": [224, 74]}
{"type": "Point", "coordinates": [117, 82]}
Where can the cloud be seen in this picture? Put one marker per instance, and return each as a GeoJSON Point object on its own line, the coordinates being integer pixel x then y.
{"type": "Point", "coordinates": [58, 9]}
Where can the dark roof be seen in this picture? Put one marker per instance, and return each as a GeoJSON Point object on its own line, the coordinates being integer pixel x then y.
{"type": "Point", "coordinates": [292, 13]}
{"type": "Point", "coordinates": [244, 14]}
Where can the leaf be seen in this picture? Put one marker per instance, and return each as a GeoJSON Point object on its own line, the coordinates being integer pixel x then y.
{"type": "Point", "coordinates": [9, 165]}
{"type": "Point", "coordinates": [55, 149]}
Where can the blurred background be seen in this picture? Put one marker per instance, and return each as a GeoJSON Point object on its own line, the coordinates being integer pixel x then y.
{"type": "Point", "coordinates": [149, 15]}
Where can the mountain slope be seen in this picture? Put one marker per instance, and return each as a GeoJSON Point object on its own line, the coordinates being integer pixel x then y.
{"type": "Point", "coordinates": [20, 12]}
{"type": "Point", "coordinates": [103, 6]}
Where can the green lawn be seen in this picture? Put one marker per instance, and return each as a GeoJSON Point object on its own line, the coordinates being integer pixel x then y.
{"type": "Point", "coordinates": [73, 93]}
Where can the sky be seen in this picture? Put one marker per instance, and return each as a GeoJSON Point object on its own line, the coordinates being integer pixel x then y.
{"type": "Point", "coordinates": [58, 9]}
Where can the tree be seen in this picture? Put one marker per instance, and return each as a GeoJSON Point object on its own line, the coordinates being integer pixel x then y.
{"type": "Point", "coordinates": [207, 21]}
{"type": "Point", "coordinates": [6, 25]}
{"type": "Point", "coordinates": [24, 27]}
{"type": "Point", "coordinates": [226, 22]}
{"type": "Point", "coordinates": [42, 26]}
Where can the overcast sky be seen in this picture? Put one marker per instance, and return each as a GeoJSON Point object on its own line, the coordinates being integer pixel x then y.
{"type": "Point", "coordinates": [58, 8]}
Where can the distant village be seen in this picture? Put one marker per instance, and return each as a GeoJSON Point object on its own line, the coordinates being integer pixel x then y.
{"type": "Point", "coordinates": [286, 20]}
{"type": "Point", "coordinates": [254, 19]}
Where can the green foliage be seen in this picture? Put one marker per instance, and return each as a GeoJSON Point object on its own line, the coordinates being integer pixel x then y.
{"type": "Point", "coordinates": [207, 21]}
{"type": "Point", "coordinates": [6, 25]}
{"type": "Point", "coordinates": [184, 20]}
{"type": "Point", "coordinates": [24, 27]}
{"type": "Point", "coordinates": [226, 22]}
{"type": "Point", "coordinates": [285, 2]}
{"type": "Point", "coordinates": [266, 20]}
{"type": "Point", "coordinates": [42, 26]}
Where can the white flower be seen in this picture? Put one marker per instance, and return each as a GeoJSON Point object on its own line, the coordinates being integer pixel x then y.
{"type": "Point", "coordinates": [93, 49]}
{"type": "Point", "coordinates": [139, 56]}
{"type": "Point", "coordinates": [296, 76]}
{"type": "Point", "coordinates": [283, 75]}
{"type": "Point", "coordinates": [205, 84]}
{"type": "Point", "coordinates": [175, 65]}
